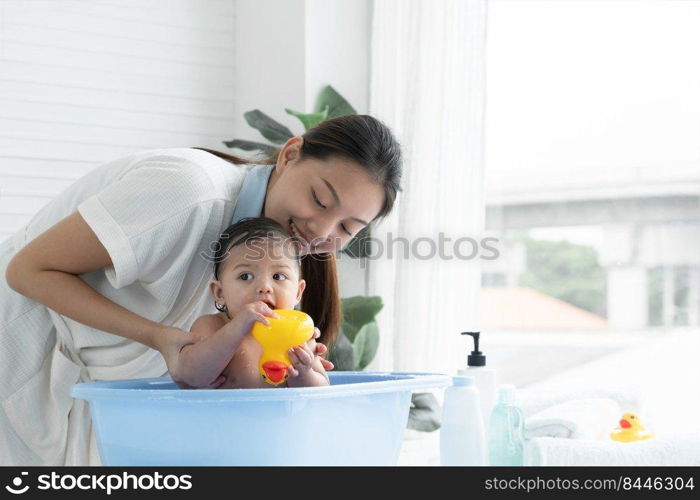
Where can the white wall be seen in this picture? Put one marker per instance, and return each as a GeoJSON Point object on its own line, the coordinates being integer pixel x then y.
{"type": "Point", "coordinates": [338, 49]}
{"type": "Point", "coordinates": [85, 81]}
{"type": "Point", "coordinates": [269, 61]}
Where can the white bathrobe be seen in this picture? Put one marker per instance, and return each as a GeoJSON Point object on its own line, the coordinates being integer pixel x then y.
{"type": "Point", "coordinates": [159, 214]}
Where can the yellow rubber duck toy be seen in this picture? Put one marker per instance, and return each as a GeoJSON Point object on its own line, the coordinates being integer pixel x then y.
{"type": "Point", "coordinates": [630, 430]}
{"type": "Point", "coordinates": [291, 329]}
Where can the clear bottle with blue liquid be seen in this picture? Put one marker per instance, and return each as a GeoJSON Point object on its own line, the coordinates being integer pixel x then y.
{"type": "Point", "coordinates": [506, 426]}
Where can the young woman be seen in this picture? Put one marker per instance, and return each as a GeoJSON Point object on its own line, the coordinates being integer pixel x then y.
{"type": "Point", "coordinates": [105, 280]}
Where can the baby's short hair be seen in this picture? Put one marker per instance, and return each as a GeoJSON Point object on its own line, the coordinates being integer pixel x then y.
{"type": "Point", "coordinates": [246, 231]}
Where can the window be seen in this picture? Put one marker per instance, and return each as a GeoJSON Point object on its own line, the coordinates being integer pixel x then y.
{"type": "Point", "coordinates": [592, 168]}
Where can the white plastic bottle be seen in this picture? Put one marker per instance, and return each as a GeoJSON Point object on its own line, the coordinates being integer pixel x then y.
{"type": "Point", "coordinates": [462, 434]}
{"type": "Point", "coordinates": [485, 378]}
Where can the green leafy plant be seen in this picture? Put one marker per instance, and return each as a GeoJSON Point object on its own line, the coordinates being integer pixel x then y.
{"type": "Point", "coordinates": [357, 345]}
{"type": "Point", "coordinates": [329, 104]}
{"type": "Point", "coordinates": [425, 412]}
{"type": "Point", "coordinates": [358, 339]}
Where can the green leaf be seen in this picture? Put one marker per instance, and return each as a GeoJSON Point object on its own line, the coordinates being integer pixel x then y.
{"type": "Point", "coordinates": [340, 354]}
{"type": "Point", "coordinates": [336, 103]}
{"type": "Point", "coordinates": [425, 412]}
{"type": "Point", "coordinates": [360, 245]}
{"type": "Point", "coordinates": [309, 120]}
{"type": "Point", "coordinates": [251, 146]}
{"type": "Point", "coordinates": [358, 311]}
{"type": "Point", "coordinates": [358, 346]}
{"type": "Point", "coordinates": [365, 346]}
{"type": "Point", "coordinates": [269, 128]}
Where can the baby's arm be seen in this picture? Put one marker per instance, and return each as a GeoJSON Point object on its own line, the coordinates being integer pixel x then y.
{"type": "Point", "coordinates": [201, 363]}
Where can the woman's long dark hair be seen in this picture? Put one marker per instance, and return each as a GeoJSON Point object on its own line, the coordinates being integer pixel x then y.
{"type": "Point", "coordinates": [369, 143]}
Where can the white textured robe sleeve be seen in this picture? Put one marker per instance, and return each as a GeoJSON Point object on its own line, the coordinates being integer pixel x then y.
{"type": "Point", "coordinates": [140, 217]}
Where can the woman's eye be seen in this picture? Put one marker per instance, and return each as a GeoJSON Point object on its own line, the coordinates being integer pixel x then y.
{"type": "Point", "coordinates": [279, 276]}
{"type": "Point", "coordinates": [318, 202]}
{"type": "Point", "coordinates": [246, 276]}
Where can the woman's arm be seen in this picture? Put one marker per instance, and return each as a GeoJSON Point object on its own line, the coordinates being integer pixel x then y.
{"type": "Point", "coordinates": [47, 270]}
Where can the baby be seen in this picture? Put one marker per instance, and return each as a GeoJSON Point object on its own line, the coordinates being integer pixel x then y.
{"type": "Point", "coordinates": [256, 270]}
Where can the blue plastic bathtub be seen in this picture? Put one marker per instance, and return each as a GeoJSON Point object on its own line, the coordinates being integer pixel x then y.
{"type": "Point", "coordinates": [358, 420]}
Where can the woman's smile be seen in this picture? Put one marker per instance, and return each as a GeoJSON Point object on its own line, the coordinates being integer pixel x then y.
{"type": "Point", "coordinates": [302, 240]}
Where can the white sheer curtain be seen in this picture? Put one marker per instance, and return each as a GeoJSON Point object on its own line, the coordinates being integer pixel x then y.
{"type": "Point", "coordinates": [427, 84]}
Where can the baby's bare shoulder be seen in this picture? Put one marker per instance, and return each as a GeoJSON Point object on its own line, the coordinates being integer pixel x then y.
{"type": "Point", "coordinates": [207, 324]}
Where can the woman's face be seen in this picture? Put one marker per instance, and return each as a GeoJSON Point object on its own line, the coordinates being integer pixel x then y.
{"type": "Point", "coordinates": [324, 203]}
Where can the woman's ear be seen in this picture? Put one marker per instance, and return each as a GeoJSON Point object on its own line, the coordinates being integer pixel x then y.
{"type": "Point", "coordinates": [300, 289]}
{"type": "Point", "coordinates": [291, 151]}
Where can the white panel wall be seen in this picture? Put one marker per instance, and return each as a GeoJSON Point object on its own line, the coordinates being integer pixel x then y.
{"type": "Point", "coordinates": [85, 81]}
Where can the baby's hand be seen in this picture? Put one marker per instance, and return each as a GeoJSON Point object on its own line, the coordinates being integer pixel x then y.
{"type": "Point", "coordinates": [319, 348]}
{"type": "Point", "coordinates": [306, 369]}
{"type": "Point", "coordinates": [250, 313]}
{"type": "Point", "coordinates": [302, 357]}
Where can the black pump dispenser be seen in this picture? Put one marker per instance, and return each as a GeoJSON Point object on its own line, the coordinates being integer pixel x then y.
{"type": "Point", "coordinates": [476, 358]}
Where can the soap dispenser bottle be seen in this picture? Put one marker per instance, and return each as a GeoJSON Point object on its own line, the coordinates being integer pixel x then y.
{"type": "Point", "coordinates": [506, 439]}
{"type": "Point", "coordinates": [485, 378]}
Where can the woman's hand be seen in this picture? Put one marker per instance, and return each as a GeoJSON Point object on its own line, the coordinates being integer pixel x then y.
{"type": "Point", "coordinates": [169, 342]}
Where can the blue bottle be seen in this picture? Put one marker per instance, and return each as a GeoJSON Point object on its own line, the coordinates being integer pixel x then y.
{"type": "Point", "coordinates": [506, 439]}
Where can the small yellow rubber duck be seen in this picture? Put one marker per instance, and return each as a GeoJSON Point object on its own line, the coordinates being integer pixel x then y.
{"type": "Point", "coordinates": [291, 329]}
{"type": "Point", "coordinates": [630, 430]}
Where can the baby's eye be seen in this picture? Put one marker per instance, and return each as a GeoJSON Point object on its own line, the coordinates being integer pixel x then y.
{"type": "Point", "coordinates": [279, 276]}
{"type": "Point", "coordinates": [246, 276]}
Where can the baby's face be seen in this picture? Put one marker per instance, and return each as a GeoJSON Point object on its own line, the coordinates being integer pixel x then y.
{"type": "Point", "coordinates": [262, 270]}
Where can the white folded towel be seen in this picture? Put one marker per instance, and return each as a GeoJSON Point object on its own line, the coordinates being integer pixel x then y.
{"type": "Point", "coordinates": [534, 400]}
{"type": "Point", "coordinates": [676, 449]}
{"type": "Point", "coordinates": [592, 418]}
